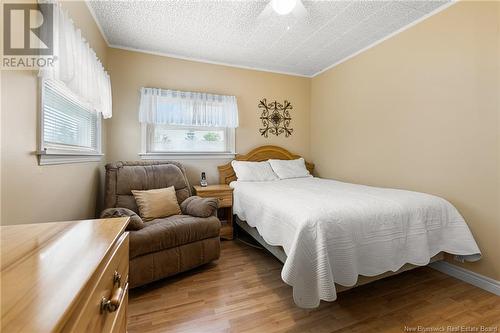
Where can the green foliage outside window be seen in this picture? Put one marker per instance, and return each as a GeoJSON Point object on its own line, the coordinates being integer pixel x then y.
{"type": "Point", "coordinates": [211, 136]}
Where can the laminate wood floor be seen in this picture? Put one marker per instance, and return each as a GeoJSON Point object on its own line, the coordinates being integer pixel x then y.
{"type": "Point", "coordinates": [243, 292]}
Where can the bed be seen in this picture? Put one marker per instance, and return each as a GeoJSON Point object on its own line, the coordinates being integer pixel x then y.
{"type": "Point", "coordinates": [332, 235]}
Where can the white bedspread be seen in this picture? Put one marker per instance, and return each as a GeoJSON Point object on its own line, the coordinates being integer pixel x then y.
{"type": "Point", "coordinates": [333, 231]}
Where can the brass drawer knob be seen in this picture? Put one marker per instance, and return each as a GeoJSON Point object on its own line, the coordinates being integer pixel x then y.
{"type": "Point", "coordinates": [112, 304]}
{"type": "Point", "coordinates": [117, 279]}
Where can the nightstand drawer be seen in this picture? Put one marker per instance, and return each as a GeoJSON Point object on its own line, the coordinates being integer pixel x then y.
{"type": "Point", "coordinates": [225, 199]}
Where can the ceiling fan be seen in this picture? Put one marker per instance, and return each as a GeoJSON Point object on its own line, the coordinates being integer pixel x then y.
{"type": "Point", "coordinates": [285, 7]}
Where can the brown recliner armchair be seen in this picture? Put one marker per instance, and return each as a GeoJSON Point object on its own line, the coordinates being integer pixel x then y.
{"type": "Point", "coordinates": [166, 246]}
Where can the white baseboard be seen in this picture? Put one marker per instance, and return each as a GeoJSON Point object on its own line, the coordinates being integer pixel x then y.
{"type": "Point", "coordinates": [468, 276]}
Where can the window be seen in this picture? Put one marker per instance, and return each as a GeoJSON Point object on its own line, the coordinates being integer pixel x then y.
{"type": "Point", "coordinates": [186, 123]}
{"type": "Point", "coordinates": [70, 129]}
{"type": "Point", "coordinates": [189, 139]}
{"type": "Point", "coordinates": [75, 92]}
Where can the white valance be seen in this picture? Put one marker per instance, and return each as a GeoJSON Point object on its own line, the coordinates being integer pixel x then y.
{"type": "Point", "coordinates": [159, 106]}
{"type": "Point", "coordinates": [77, 65]}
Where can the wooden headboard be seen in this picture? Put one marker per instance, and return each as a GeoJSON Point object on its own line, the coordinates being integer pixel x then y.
{"type": "Point", "coordinates": [263, 153]}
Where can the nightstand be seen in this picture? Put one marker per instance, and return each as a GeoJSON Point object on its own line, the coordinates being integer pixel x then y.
{"type": "Point", "coordinates": [225, 213]}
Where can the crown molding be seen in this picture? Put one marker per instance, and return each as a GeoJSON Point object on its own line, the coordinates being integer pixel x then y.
{"type": "Point", "coordinates": [260, 69]}
{"type": "Point", "coordinates": [174, 56]}
{"type": "Point", "coordinates": [91, 10]}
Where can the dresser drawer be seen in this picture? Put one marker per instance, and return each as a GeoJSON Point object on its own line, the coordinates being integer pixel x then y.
{"type": "Point", "coordinates": [94, 317]}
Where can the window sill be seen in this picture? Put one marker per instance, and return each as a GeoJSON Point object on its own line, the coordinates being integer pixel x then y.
{"type": "Point", "coordinates": [52, 158]}
{"type": "Point", "coordinates": [185, 156]}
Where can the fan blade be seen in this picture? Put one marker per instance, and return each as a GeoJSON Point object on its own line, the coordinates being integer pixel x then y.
{"type": "Point", "coordinates": [266, 12]}
{"type": "Point", "coordinates": [300, 10]}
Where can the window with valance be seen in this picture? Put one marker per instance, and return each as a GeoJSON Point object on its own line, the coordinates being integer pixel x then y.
{"type": "Point", "coordinates": [187, 123]}
{"type": "Point", "coordinates": [74, 94]}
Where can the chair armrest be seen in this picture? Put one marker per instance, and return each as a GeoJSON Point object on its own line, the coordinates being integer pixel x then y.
{"type": "Point", "coordinates": [135, 222]}
{"type": "Point", "coordinates": [200, 207]}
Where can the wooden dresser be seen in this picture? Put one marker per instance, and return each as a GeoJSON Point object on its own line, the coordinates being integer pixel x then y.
{"type": "Point", "coordinates": [65, 276]}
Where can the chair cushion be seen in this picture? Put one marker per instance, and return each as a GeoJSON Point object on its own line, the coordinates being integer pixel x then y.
{"type": "Point", "coordinates": [200, 207]}
{"type": "Point", "coordinates": [157, 203]}
{"type": "Point", "coordinates": [135, 222]}
{"type": "Point", "coordinates": [172, 231]}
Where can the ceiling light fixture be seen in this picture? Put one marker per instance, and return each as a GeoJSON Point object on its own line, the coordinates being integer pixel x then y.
{"type": "Point", "coordinates": [283, 7]}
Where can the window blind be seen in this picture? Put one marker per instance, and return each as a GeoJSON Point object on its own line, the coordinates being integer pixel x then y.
{"type": "Point", "coordinates": [68, 123]}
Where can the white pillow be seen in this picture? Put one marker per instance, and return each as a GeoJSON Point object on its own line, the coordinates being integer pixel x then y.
{"type": "Point", "coordinates": [253, 171]}
{"type": "Point", "coordinates": [290, 168]}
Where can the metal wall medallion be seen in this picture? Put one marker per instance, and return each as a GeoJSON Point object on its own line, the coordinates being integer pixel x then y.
{"type": "Point", "coordinates": [275, 118]}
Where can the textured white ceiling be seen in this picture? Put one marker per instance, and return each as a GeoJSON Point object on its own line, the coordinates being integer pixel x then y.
{"type": "Point", "coordinates": [249, 34]}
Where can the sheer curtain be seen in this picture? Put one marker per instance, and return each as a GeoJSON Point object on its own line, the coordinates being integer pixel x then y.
{"type": "Point", "coordinates": [77, 65]}
{"type": "Point", "coordinates": [159, 106]}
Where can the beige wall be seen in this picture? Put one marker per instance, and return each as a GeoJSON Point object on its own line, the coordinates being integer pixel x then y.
{"type": "Point", "coordinates": [32, 193]}
{"type": "Point", "coordinates": [420, 111]}
{"type": "Point", "coordinates": [131, 70]}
